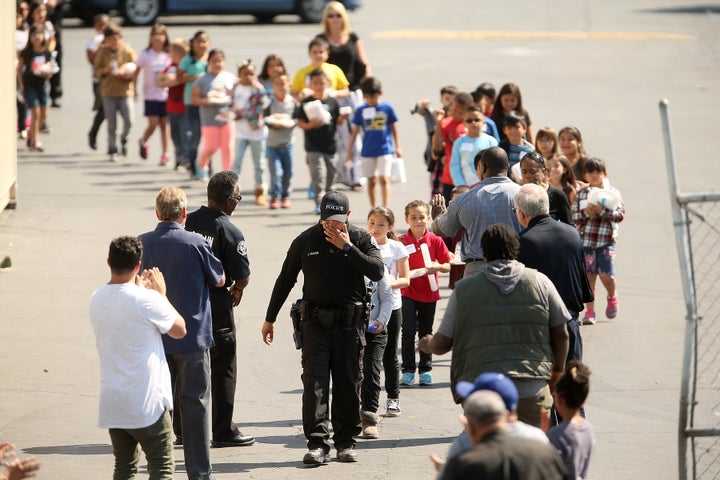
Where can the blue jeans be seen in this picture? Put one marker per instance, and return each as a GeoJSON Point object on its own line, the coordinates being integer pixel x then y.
{"type": "Point", "coordinates": [179, 134]}
{"type": "Point", "coordinates": [257, 150]}
{"type": "Point", "coordinates": [156, 442]}
{"type": "Point", "coordinates": [281, 170]}
{"type": "Point", "coordinates": [190, 373]}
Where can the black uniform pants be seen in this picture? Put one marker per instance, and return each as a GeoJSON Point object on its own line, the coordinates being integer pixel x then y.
{"type": "Point", "coordinates": [331, 353]}
{"type": "Point", "coordinates": [223, 366]}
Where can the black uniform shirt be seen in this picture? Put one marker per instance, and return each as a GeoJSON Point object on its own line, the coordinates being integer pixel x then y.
{"type": "Point", "coordinates": [225, 239]}
{"type": "Point", "coordinates": [332, 277]}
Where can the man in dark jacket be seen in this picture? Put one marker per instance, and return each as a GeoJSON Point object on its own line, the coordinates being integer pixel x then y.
{"type": "Point", "coordinates": [554, 249]}
{"type": "Point", "coordinates": [334, 258]}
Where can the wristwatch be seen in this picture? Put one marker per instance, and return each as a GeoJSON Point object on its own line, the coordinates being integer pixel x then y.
{"type": "Point", "coordinates": [347, 247]}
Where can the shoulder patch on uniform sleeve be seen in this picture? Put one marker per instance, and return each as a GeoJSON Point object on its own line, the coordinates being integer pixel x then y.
{"type": "Point", "coordinates": [242, 248]}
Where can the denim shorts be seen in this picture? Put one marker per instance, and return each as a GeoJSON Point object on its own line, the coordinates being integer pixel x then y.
{"type": "Point", "coordinates": [37, 97]}
{"type": "Point", "coordinates": [600, 260]}
{"type": "Point", "coordinates": [154, 108]}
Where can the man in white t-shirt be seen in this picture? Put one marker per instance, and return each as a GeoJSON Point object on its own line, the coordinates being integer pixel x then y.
{"type": "Point", "coordinates": [129, 314]}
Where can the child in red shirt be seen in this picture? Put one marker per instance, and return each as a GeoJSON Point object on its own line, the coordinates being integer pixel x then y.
{"type": "Point", "coordinates": [449, 128]}
{"type": "Point", "coordinates": [420, 298]}
{"type": "Point", "coordinates": [175, 105]}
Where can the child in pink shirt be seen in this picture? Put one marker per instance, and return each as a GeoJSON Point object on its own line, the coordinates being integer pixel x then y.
{"type": "Point", "coordinates": [153, 60]}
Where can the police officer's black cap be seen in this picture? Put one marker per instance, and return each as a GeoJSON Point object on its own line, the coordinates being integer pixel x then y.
{"type": "Point", "coordinates": [334, 206]}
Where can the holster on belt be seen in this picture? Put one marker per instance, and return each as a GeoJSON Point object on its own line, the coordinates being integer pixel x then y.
{"type": "Point", "coordinates": [360, 318]}
{"type": "Point", "coordinates": [297, 311]}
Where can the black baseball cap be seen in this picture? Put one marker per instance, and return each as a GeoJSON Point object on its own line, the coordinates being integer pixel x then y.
{"type": "Point", "coordinates": [334, 206]}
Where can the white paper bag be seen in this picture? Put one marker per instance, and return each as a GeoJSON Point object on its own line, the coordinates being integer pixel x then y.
{"type": "Point", "coordinates": [397, 172]}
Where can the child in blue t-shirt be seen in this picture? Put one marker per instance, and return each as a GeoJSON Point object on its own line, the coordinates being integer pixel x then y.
{"type": "Point", "coordinates": [379, 123]}
{"type": "Point", "coordinates": [462, 161]}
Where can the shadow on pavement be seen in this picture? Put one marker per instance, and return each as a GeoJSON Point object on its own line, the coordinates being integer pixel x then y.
{"type": "Point", "coordinates": [89, 449]}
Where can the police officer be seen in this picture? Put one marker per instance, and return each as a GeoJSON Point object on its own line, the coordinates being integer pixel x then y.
{"type": "Point", "coordinates": [334, 256]}
{"type": "Point", "coordinates": [228, 245]}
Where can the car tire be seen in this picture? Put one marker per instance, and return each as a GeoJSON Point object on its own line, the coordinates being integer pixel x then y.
{"type": "Point", "coordinates": [264, 17]}
{"type": "Point", "coordinates": [311, 11]}
{"type": "Point", "coordinates": [87, 16]}
{"type": "Point", "coordinates": [140, 12]}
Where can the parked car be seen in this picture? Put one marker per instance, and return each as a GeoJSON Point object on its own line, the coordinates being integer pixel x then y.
{"type": "Point", "coordinates": [145, 12]}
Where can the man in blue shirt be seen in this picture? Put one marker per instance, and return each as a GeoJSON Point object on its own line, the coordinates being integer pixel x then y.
{"type": "Point", "coordinates": [490, 201]}
{"type": "Point", "coordinates": [190, 268]}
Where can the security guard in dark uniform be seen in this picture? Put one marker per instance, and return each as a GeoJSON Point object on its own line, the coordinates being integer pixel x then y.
{"type": "Point", "coordinates": [334, 258]}
{"type": "Point", "coordinates": [228, 245]}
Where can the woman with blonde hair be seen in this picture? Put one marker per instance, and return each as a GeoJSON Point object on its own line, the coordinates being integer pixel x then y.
{"type": "Point", "coordinates": [348, 53]}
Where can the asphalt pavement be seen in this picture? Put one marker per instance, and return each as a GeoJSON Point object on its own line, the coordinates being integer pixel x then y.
{"type": "Point", "coordinates": [602, 66]}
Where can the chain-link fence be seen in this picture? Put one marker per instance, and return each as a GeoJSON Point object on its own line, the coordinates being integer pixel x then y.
{"type": "Point", "coordinates": [697, 228]}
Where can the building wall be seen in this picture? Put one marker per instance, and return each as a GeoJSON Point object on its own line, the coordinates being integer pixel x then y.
{"type": "Point", "coordinates": [8, 142]}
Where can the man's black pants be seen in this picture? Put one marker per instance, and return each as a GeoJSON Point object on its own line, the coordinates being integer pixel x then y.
{"type": "Point", "coordinates": [223, 366]}
{"type": "Point", "coordinates": [331, 353]}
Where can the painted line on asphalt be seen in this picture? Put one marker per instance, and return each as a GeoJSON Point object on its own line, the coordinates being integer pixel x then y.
{"type": "Point", "coordinates": [500, 35]}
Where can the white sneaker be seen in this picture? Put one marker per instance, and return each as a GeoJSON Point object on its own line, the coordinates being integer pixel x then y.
{"type": "Point", "coordinates": [393, 407]}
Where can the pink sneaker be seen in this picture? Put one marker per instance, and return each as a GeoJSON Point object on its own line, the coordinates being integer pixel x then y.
{"type": "Point", "coordinates": [285, 203]}
{"type": "Point", "coordinates": [274, 203]}
{"type": "Point", "coordinates": [612, 307]}
{"type": "Point", "coordinates": [164, 159]}
{"type": "Point", "coordinates": [589, 318]}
